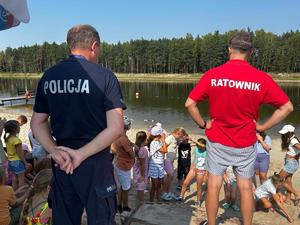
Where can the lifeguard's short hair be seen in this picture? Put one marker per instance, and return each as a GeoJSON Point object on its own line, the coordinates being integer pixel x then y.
{"type": "Point", "coordinates": [241, 41]}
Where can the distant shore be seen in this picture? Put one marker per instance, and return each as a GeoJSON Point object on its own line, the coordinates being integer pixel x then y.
{"type": "Point", "coordinates": [278, 77]}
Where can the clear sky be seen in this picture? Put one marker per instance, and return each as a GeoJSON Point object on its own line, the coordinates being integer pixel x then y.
{"type": "Point", "coordinates": [122, 20]}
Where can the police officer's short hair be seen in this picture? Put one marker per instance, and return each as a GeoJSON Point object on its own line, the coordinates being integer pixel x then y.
{"type": "Point", "coordinates": [82, 36]}
{"type": "Point", "coordinates": [241, 41]}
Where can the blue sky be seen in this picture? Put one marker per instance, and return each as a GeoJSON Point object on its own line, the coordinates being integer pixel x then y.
{"type": "Point", "coordinates": [122, 20]}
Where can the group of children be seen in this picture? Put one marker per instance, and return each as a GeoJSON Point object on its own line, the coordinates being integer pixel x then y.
{"type": "Point", "coordinates": [277, 190]}
{"type": "Point", "coordinates": [154, 153]}
{"type": "Point", "coordinates": [25, 175]}
{"type": "Point", "coordinates": [24, 178]}
{"type": "Point", "coordinates": [152, 158]}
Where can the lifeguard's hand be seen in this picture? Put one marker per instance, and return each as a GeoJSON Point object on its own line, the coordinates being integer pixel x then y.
{"type": "Point", "coordinates": [259, 127]}
{"type": "Point", "coordinates": [63, 160]}
{"type": "Point", "coordinates": [77, 157]}
{"type": "Point", "coordinates": [208, 124]}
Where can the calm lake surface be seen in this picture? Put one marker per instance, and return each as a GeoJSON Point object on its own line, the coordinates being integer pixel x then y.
{"type": "Point", "coordinates": [157, 102]}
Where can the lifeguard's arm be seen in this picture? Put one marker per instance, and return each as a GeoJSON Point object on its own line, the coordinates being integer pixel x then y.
{"type": "Point", "coordinates": [193, 110]}
{"type": "Point", "coordinates": [281, 206]}
{"type": "Point", "coordinates": [279, 114]}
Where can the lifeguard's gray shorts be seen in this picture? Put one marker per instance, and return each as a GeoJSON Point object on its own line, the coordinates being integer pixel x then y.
{"type": "Point", "coordinates": [219, 157]}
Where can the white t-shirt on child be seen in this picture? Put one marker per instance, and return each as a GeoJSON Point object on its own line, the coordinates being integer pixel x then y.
{"type": "Point", "coordinates": [293, 151]}
{"type": "Point", "coordinates": [172, 147]}
{"type": "Point", "coordinates": [155, 155]}
{"type": "Point", "coordinates": [266, 190]}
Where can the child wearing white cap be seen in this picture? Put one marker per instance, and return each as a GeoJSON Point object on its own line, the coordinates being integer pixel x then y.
{"type": "Point", "coordinates": [158, 148]}
{"type": "Point", "coordinates": [290, 144]}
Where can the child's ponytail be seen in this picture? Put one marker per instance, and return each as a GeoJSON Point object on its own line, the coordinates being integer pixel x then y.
{"type": "Point", "coordinates": [10, 127]}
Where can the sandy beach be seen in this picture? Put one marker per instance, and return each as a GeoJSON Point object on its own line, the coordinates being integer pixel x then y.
{"type": "Point", "coordinates": [185, 213]}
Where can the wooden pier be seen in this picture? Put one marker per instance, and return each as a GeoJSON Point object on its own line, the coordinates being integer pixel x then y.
{"type": "Point", "coordinates": [11, 100]}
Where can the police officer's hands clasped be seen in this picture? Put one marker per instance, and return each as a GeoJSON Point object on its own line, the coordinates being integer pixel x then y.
{"type": "Point", "coordinates": [76, 158]}
{"type": "Point", "coordinates": [63, 160]}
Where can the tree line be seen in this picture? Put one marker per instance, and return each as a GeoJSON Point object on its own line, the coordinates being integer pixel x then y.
{"type": "Point", "coordinates": [273, 53]}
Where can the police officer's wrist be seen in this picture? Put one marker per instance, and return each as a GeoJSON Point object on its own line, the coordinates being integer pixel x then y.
{"type": "Point", "coordinates": [204, 125]}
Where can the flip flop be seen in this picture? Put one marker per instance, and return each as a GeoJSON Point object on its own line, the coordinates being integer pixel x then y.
{"type": "Point", "coordinates": [204, 222]}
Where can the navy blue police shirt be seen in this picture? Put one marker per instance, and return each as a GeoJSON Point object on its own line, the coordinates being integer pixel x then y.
{"type": "Point", "coordinates": [77, 94]}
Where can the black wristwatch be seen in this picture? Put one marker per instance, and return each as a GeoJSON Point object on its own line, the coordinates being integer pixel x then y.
{"type": "Point", "coordinates": [204, 126]}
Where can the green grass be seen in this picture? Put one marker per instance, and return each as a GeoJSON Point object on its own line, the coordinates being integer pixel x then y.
{"type": "Point", "coordinates": [281, 77]}
{"type": "Point", "coordinates": [20, 75]}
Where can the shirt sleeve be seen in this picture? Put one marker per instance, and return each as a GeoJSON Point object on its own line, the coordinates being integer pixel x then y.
{"type": "Point", "coordinates": [113, 94]}
{"type": "Point", "coordinates": [201, 90]}
{"type": "Point", "coordinates": [41, 101]}
{"type": "Point", "coordinates": [16, 141]}
{"type": "Point", "coordinates": [294, 141]}
{"type": "Point", "coordinates": [274, 94]}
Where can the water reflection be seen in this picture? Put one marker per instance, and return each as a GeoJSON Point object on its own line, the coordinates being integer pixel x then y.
{"type": "Point", "coordinates": [163, 102]}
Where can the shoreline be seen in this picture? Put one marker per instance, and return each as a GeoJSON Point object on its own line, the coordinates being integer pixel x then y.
{"type": "Point", "coordinates": [142, 77]}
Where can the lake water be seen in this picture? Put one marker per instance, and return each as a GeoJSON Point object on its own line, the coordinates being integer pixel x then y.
{"type": "Point", "coordinates": [158, 102]}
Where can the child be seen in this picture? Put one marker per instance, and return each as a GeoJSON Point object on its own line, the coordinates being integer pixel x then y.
{"type": "Point", "coordinates": [35, 209]}
{"type": "Point", "coordinates": [184, 160]}
{"type": "Point", "coordinates": [172, 143]}
{"type": "Point", "coordinates": [262, 162]}
{"type": "Point", "coordinates": [3, 158]}
{"type": "Point", "coordinates": [230, 189]}
{"type": "Point", "coordinates": [22, 120]}
{"type": "Point", "coordinates": [268, 190]}
{"type": "Point", "coordinates": [38, 152]}
{"type": "Point", "coordinates": [8, 200]}
{"type": "Point", "coordinates": [158, 148]}
{"type": "Point", "coordinates": [123, 148]}
{"type": "Point", "coordinates": [16, 160]}
{"type": "Point", "coordinates": [197, 169]}
{"type": "Point", "coordinates": [140, 168]}
{"type": "Point", "coordinates": [291, 145]}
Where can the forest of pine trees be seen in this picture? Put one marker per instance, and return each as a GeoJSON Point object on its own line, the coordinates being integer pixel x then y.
{"type": "Point", "coordinates": [273, 53]}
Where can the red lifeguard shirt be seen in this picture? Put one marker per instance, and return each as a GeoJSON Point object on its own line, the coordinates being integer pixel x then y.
{"type": "Point", "coordinates": [235, 90]}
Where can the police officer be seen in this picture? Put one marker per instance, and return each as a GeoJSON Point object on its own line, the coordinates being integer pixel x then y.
{"type": "Point", "coordinates": [85, 105]}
